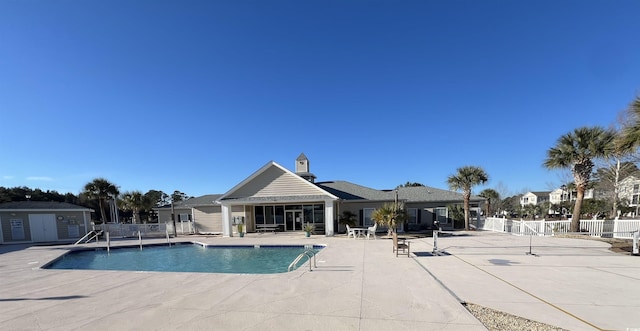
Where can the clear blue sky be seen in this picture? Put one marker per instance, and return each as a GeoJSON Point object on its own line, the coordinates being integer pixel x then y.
{"type": "Point", "coordinates": [197, 95]}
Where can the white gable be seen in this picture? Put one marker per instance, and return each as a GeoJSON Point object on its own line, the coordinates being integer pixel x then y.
{"type": "Point", "coordinates": [273, 180]}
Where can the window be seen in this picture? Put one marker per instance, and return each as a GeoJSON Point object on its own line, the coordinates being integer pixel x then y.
{"type": "Point", "coordinates": [634, 199]}
{"type": "Point", "coordinates": [259, 211]}
{"type": "Point", "coordinates": [308, 213]}
{"type": "Point", "coordinates": [366, 217]}
{"type": "Point", "coordinates": [318, 213]}
{"type": "Point", "coordinates": [276, 214]}
{"type": "Point", "coordinates": [412, 215]}
{"type": "Point", "coordinates": [17, 229]}
{"type": "Point", "coordinates": [441, 215]}
{"type": "Point", "coordinates": [636, 188]}
{"type": "Point", "coordinates": [268, 215]}
{"type": "Point", "coordinates": [184, 217]}
{"type": "Point", "coordinates": [279, 214]}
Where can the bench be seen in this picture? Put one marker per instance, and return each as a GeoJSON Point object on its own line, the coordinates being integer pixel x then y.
{"type": "Point", "coordinates": [267, 227]}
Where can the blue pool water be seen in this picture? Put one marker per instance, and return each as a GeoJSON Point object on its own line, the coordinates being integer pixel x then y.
{"type": "Point", "coordinates": [186, 258]}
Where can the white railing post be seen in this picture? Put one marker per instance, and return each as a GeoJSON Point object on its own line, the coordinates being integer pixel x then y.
{"type": "Point", "coordinates": [435, 241]}
{"type": "Point", "coordinates": [635, 242]}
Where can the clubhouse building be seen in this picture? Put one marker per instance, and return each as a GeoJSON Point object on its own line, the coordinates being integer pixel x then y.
{"type": "Point", "coordinates": [275, 198]}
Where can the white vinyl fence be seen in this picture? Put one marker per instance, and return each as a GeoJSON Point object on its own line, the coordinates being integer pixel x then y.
{"type": "Point", "coordinates": [622, 229]}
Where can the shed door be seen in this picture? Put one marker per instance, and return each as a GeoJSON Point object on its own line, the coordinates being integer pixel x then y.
{"type": "Point", "coordinates": [43, 227]}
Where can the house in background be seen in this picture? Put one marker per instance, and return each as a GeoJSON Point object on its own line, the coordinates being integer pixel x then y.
{"type": "Point", "coordinates": [195, 215]}
{"type": "Point", "coordinates": [629, 190]}
{"type": "Point", "coordinates": [276, 198]}
{"type": "Point", "coordinates": [43, 221]}
{"type": "Point", "coordinates": [534, 198]}
{"type": "Point", "coordinates": [559, 195]}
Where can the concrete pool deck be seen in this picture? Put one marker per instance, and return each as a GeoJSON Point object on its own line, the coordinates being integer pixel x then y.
{"type": "Point", "coordinates": [358, 285]}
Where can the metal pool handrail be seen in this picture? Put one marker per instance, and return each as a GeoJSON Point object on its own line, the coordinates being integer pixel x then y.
{"type": "Point", "coordinates": [308, 253]}
{"type": "Point", "coordinates": [93, 234]}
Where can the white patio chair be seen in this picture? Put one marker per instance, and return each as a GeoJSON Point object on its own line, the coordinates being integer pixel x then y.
{"type": "Point", "coordinates": [372, 230]}
{"type": "Point", "coordinates": [350, 232]}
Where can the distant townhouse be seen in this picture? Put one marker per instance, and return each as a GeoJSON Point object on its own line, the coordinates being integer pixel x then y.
{"type": "Point", "coordinates": [534, 198]}
{"type": "Point", "coordinates": [559, 195]}
{"type": "Point", "coordinates": [629, 190]}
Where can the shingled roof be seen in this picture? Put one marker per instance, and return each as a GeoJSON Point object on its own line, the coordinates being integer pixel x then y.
{"type": "Point", "coordinates": [40, 205]}
{"type": "Point", "coordinates": [430, 194]}
{"type": "Point", "coordinates": [350, 191]}
{"type": "Point", "coordinates": [203, 200]}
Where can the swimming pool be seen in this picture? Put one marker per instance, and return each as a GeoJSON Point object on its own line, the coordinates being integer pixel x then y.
{"type": "Point", "coordinates": [186, 258]}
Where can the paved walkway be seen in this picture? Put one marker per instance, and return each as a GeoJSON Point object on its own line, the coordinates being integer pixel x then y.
{"type": "Point", "coordinates": [576, 284]}
{"type": "Point", "coordinates": [358, 285]}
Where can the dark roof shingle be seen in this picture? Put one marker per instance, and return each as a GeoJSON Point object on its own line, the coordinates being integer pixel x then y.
{"type": "Point", "coordinates": [42, 205]}
{"type": "Point", "coordinates": [350, 191]}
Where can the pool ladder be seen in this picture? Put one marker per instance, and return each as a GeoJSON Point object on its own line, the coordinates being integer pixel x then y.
{"type": "Point", "coordinates": [93, 234]}
{"type": "Point", "coordinates": [309, 252]}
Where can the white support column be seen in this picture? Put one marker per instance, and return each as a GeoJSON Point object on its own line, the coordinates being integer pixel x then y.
{"type": "Point", "coordinates": [328, 218]}
{"type": "Point", "coordinates": [84, 219]}
{"type": "Point", "coordinates": [227, 228]}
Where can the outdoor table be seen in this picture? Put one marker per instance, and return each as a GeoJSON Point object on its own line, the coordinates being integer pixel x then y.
{"type": "Point", "coordinates": [357, 232]}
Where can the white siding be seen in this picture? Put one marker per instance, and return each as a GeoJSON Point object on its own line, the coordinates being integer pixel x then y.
{"type": "Point", "coordinates": [164, 214]}
{"type": "Point", "coordinates": [208, 219]}
{"type": "Point", "coordinates": [275, 182]}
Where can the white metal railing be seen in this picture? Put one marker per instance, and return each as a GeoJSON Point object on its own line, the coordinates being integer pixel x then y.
{"type": "Point", "coordinates": [131, 230]}
{"type": "Point", "coordinates": [93, 234]}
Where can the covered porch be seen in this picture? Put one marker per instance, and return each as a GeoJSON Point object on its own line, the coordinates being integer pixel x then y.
{"type": "Point", "coordinates": [278, 214]}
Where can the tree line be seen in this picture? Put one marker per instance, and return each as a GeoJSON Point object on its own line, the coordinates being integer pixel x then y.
{"type": "Point", "coordinates": [577, 151]}
{"type": "Point", "coordinates": [99, 195]}
{"type": "Point", "coordinates": [580, 151]}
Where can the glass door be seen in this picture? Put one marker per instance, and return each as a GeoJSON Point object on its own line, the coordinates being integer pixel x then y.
{"type": "Point", "coordinates": [293, 220]}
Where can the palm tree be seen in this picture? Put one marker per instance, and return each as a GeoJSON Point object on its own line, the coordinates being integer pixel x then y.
{"type": "Point", "coordinates": [465, 179]}
{"type": "Point", "coordinates": [390, 215]}
{"type": "Point", "coordinates": [576, 150]}
{"type": "Point", "coordinates": [102, 190]}
{"type": "Point", "coordinates": [629, 139]}
{"type": "Point", "coordinates": [348, 218]}
{"type": "Point", "coordinates": [136, 202]}
{"type": "Point", "coordinates": [531, 210]}
{"type": "Point", "coordinates": [456, 214]}
{"type": "Point", "coordinates": [490, 194]}
{"type": "Point", "coordinates": [627, 142]}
